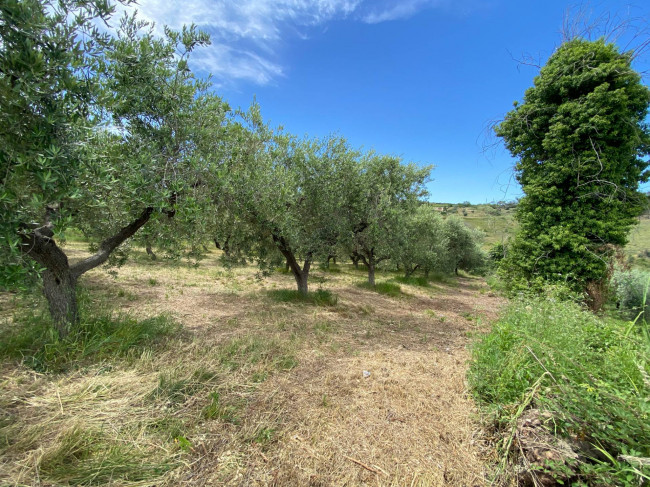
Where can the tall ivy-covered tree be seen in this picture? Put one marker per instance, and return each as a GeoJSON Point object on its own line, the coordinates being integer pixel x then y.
{"type": "Point", "coordinates": [581, 142]}
{"type": "Point", "coordinates": [385, 191]}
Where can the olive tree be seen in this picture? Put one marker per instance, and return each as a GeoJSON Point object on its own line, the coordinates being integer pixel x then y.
{"type": "Point", "coordinates": [423, 243]}
{"type": "Point", "coordinates": [462, 244]}
{"type": "Point", "coordinates": [72, 152]}
{"type": "Point", "coordinates": [385, 190]}
{"type": "Point", "coordinates": [289, 192]}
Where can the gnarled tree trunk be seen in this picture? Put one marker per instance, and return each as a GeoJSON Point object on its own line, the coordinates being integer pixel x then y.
{"type": "Point", "coordinates": [370, 259]}
{"type": "Point", "coordinates": [61, 293]}
{"type": "Point", "coordinates": [301, 275]}
{"type": "Point", "coordinates": [371, 273]}
{"type": "Point", "coordinates": [150, 252]}
{"type": "Point", "coordinates": [60, 278]}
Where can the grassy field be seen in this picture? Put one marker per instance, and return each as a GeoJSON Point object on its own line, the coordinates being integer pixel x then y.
{"type": "Point", "coordinates": [638, 249]}
{"type": "Point", "coordinates": [231, 380]}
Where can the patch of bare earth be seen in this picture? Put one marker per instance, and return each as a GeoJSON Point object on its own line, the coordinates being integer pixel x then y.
{"type": "Point", "coordinates": [378, 396]}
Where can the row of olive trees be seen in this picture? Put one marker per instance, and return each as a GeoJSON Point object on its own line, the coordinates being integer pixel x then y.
{"type": "Point", "coordinates": [114, 135]}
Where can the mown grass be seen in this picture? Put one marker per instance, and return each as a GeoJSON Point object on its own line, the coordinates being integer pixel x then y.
{"type": "Point", "coordinates": [128, 400]}
{"type": "Point", "coordinates": [250, 350]}
{"type": "Point", "coordinates": [590, 373]}
{"type": "Point", "coordinates": [419, 281]}
{"type": "Point", "coordinates": [118, 413]}
{"type": "Point", "coordinates": [92, 457]}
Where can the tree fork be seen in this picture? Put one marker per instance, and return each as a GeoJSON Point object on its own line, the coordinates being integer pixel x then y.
{"type": "Point", "coordinates": [59, 278]}
{"type": "Point", "coordinates": [301, 275]}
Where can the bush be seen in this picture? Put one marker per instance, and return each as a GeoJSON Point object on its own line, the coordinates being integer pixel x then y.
{"type": "Point", "coordinates": [590, 373]}
{"type": "Point", "coordinates": [631, 289]}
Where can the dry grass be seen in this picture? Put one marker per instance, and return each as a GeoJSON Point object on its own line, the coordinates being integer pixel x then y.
{"type": "Point", "coordinates": [258, 392]}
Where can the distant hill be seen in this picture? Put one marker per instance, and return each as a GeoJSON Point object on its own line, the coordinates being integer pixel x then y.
{"type": "Point", "coordinates": [498, 223]}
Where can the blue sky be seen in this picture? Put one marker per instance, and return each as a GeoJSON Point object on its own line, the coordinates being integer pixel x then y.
{"type": "Point", "coordinates": [422, 79]}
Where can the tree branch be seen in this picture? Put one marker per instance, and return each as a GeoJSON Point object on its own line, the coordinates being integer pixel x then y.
{"type": "Point", "coordinates": [111, 243]}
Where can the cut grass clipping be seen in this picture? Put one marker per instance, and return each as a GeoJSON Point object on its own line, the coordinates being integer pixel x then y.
{"type": "Point", "coordinates": [590, 374]}
{"type": "Point", "coordinates": [319, 298]}
{"type": "Point", "coordinates": [387, 288]}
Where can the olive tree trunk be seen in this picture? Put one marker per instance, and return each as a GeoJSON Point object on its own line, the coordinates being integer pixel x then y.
{"type": "Point", "coordinates": [59, 277]}
{"type": "Point", "coordinates": [300, 274]}
{"type": "Point", "coordinates": [370, 259]}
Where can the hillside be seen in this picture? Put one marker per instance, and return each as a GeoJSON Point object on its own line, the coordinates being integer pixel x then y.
{"type": "Point", "coordinates": [499, 224]}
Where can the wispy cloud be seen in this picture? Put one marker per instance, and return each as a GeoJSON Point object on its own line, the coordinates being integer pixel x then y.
{"type": "Point", "coordinates": [247, 34]}
{"type": "Point", "coordinates": [394, 10]}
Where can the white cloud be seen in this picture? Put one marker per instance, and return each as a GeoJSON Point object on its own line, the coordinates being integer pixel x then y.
{"type": "Point", "coordinates": [247, 34]}
{"type": "Point", "coordinates": [398, 10]}
{"type": "Point", "coordinates": [226, 63]}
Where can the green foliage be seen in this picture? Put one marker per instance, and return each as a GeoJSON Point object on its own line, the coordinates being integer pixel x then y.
{"type": "Point", "coordinates": [463, 249]}
{"type": "Point", "coordinates": [590, 373]}
{"type": "Point", "coordinates": [631, 290]}
{"type": "Point", "coordinates": [286, 196]}
{"type": "Point", "coordinates": [320, 297]}
{"type": "Point", "coordinates": [47, 50]}
{"type": "Point", "coordinates": [99, 336]}
{"type": "Point", "coordinates": [497, 252]}
{"type": "Point", "coordinates": [385, 192]}
{"type": "Point", "coordinates": [580, 139]}
{"type": "Point", "coordinates": [423, 243]}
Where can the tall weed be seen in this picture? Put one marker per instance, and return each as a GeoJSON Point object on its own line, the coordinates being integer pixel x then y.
{"type": "Point", "coordinates": [589, 372]}
{"type": "Point", "coordinates": [100, 335]}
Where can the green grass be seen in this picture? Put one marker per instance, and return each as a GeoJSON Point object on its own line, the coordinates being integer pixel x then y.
{"type": "Point", "coordinates": [271, 354]}
{"type": "Point", "coordinates": [217, 410]}
{"type": "Point", "coordinates": [590, 373]}
{"type": "Point", "coordinates": [100, 336]}
{"type": "Point", "coordinates": [638, 248]}
{"type": "Point", "coordinates": [319, 298]}
{"type": "Point", "coordinates": [387, 288]}
{"type": "Point", "coordinates": [87, 457]}
{"type": "Point", "coordinates": [420, 281]}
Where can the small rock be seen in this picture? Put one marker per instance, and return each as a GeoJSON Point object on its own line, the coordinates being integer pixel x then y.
{"type": "Point", "coordinates": [366, 374]}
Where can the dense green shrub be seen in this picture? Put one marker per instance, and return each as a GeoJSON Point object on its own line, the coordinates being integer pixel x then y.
{"type": "Point", "coordinates": [581, 142]}
{"type": "Point", "coordinates": [631, 289]}
{"type": "Point", "coordinates": [590, 373]}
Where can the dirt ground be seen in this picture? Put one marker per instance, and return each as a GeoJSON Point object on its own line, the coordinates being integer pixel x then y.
{"type": "Point", "coordinates": [377, 395]}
